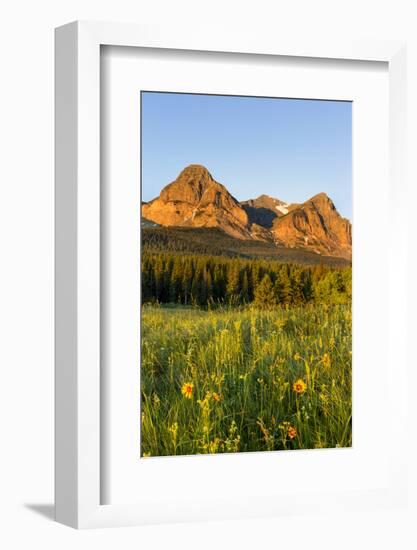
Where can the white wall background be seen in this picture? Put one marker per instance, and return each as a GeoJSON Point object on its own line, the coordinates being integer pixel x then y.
{"type": "Point", "coordinates": [26, 269]}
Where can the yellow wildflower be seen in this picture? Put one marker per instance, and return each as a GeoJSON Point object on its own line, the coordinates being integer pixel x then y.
{"type": "Point", "coordinates": [326, 360]}
{"type": "Point", "coordinates": [284, 425]}
{"type": "Point", "coordinates": [187, 390]}
{"type": "Point", "coordinates": [213, 446]}
{"type": "Point", "coordinates": [299, 386]}
{"type": "Point", "coordinates": [174, 429]}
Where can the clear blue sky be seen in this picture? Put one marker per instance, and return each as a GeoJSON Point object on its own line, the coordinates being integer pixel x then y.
{"type": "Point", "coordinates": [288, 149]}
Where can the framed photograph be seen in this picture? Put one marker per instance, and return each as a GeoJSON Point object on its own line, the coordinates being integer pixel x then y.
{"type": "Point", "coordinates": [228, 334]}
{"type": "Point", "coordinates": [246, 304]}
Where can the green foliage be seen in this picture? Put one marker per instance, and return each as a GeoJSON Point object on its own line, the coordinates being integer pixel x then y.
{"type": "Point", "coordinates": [242, 363]}
{"type": "Point", "coordinates": [210, 280]}
{"type": "Point", "coordinates": [265, 295]}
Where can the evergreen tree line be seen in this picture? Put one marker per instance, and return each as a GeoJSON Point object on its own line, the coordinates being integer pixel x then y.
{"type": "Point", "coordinates": [204, 280]}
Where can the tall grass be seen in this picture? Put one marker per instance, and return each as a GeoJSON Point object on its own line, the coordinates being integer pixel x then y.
{"type": "Point", "coordinates": [241, 366]}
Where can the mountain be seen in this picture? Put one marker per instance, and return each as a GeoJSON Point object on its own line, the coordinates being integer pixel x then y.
{"type": "Point", "coordinates": [265, 209]}
{"type": "Point", "coordinates": [195, 200]}
{"type": "Point", "coordinates": [315, 225]}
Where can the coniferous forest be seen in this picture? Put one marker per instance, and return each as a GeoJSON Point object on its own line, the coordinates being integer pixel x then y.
{"type": "Point", "coordinates": [210, 280]}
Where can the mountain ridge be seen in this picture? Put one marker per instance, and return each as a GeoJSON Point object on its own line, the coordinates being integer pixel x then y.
{"type": "Point", "coordinates": [196, 199]}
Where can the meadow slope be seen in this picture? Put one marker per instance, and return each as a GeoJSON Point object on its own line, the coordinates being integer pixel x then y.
{"type": "Point", "coordinates": [242, 379]}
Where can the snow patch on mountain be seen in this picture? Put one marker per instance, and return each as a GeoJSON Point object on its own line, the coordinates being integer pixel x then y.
{"type": "Point", "coordinates": [283, 208]}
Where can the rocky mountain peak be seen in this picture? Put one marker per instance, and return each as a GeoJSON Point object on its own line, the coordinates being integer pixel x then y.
{"type": "Point", "coordinates": [316, 225]}
{"type": "Point", "coordinates": [196, 199]}
{"type": "Point", "coordinates": [189, 186]}
{"type": "Point", "coordinates": [265, 198]}
{"type": "Point", "coordinates": [264, 209]}
{"type": "Point", "coordinates": [195, 171]}
{"type": "Point", "coordinates": [322, 200]}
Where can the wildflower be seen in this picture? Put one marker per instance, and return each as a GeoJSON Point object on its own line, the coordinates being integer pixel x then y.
{"type": "Point", "coordinates": [205, 403]}
{"type": "Point", "coordinates": [218, 379]}
{"type": "Point", "coordinates": [284, 425]}
{"type": "Point", "coordinates": [174, 429]}
{"type": "Point", "coordinates": [232, 443]}
{"type": "Point", "coordinates": [299, 386]}
{"type": "Point", "coordinates": [323, 397]}
{"type": "Point", "coordinates": [292, 432]}
{"type": "Point", "coordinates": [287, 429]}
{"type": "Point", "coordinates": [216, 396]}
{"type": "Point", "coordinates": [213, 446]}
{"type": "Point", "coordinates": [297, 357]}
{"type": "Point", "coordinates": [187, 390]}
{"type": "Point", "coordinates": [326, 360]}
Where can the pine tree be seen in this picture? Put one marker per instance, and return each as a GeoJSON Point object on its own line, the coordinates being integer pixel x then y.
{"type": "Point", "coordinates": [245, 287]}
{"type": "Point", "coordinates": [202, 295]}
{"type": "Point", "coordinates": [209, 287]}
{"type": "Point", "coordinates": [264, 293]}
{"type": "Point", "coordinates": [283, 287]}
{"type": "Point", "coordinates": [296, 287]}
{"type": "Point", "coordinates": [232, 288]}
{"type": "Point", "coordinates": [218, 283]}
{"type": "Point", "coordinates": [175, 287]}
{"type": "Point", "coordinates": [187, 280]}
{"type": "Point", "coordinates": [159, 278]}
{"type": "Point", "coordinates": [307, 286]}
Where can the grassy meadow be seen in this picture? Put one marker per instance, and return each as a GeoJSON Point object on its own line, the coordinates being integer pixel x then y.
{"type": "Point", "coordinates": [239, 379]}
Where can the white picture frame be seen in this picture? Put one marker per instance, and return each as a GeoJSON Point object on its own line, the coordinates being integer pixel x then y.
{"type": "Point", "coordinates": [78, 426]}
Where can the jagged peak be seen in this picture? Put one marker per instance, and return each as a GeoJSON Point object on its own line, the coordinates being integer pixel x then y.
{"type": "Point", "coordinates": [196, 186]}
{"type": "Point", "coordinates": [321, 197]}
{"type": "Point", "coordinates": [193, 170]}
